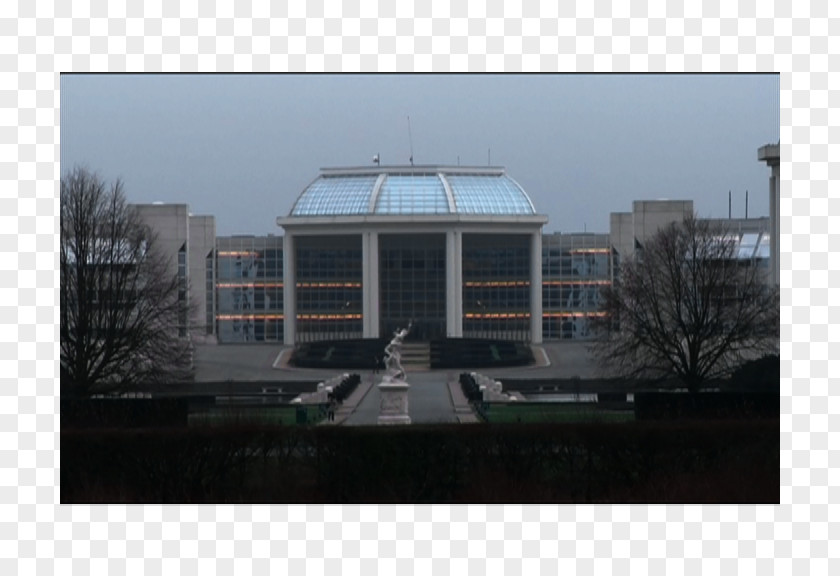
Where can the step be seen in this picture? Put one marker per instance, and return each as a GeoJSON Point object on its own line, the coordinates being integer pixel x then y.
{"type": "Point", "coordinates": [415, 356]}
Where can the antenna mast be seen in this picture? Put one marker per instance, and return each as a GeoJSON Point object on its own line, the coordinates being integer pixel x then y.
{"type": "Point", "coordinates": [410, 142]}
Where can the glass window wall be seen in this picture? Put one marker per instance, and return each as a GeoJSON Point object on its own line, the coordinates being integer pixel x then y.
{"type": "Point", "coordinates": [249, 288]}
{"type": "Point", "coordinates": [412, 282]}
{"type": "Point", "coordinates": [328, 289]}
{"type": "Point", "coordinates": [576, 268]}
{"type": "Point", "coordinates": [496, 286]}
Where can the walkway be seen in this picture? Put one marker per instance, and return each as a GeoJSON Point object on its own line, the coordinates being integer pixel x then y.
{"type": "Point", "coordinates": [434, 396]}
{"type": "Point", "coordinates": [429, 400]}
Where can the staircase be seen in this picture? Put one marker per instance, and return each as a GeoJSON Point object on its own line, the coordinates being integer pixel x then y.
{"type": "Point", "coordinates": [415, 356]}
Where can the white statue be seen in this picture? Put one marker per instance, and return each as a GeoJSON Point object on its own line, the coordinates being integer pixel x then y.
{"type": "Point", "coordinates": [393, 368]}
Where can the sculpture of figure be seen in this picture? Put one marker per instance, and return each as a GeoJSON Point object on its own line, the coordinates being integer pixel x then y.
{"type": "Point", "coordinates": [393, 367]}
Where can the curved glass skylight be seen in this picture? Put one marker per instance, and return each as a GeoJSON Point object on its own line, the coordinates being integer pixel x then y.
{"type": "Point", "coordinates": [412, 195]}
{"type": "Point", "coordinates": [413, 190]}
{"type": "Point", "coordinates": [479, 194]}
{"type": "Point", "coordinates": [335, 196]}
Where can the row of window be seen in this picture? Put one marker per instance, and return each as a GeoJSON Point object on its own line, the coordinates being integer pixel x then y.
{"type": "Point", "coordinates": [496, 286]}
{"type": "Point", "coordinates": [258, 329]}
{"type": "Point", "coordinates": [569, 297]}
{"type": "Point", "coordinates": [249, 289]}
{"type": "Point", "coordinates": [412, 284]}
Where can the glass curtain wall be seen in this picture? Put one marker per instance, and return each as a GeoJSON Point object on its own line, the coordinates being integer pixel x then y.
{"type": "Point", "coordinates": [496, 286]}
{"type": "Point", "coordinates": [249, 289]}
{"type": "Point", "coordinates": [182, 292]}
{"type": "Point", "coordinates": [576, 267]}
{"type": "Point", "coordinates": [412, 280]}
{"type": "Point", "coordinates": [210, 291]}
{"type": "Point", "coordinates": [328, 289]}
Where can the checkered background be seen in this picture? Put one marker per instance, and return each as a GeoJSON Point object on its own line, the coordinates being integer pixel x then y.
{"type": "Point", "coordinates": [37, 40]}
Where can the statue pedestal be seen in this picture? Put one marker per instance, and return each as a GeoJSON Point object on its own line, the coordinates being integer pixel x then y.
{"type": "Point", "coordinates": [393, 402]}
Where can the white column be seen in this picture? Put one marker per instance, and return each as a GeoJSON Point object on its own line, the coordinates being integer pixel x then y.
{"type": "Point", "coordinates": [454, 288]}
{"type": "Point", "coordinates": [370, 285]}
{"type": "Point", "coordinates": [536, 287]}
{"type": "Point", "coordinates": [289, 306]}
{"type": "Point", "coordinates": [459, 286]}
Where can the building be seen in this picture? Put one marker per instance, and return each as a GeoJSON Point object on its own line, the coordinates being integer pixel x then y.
{"type": "Point", "coordinates": [248, 288]}
{"type": "Point", "coordinates": [630, 230]}
{"type": "Point", "coordinates": [457, 251]}
{"type": "Point", "coordinates": [575, 269]}
{"type": "Point", "coordinates": [751, 237]}
{"type": "Point", "coordinates": [190, 240]}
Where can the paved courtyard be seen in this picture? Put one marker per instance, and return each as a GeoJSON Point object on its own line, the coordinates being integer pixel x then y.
{"type": "Point", "coordinates": [434, 395]}
{"type": "Point", "coordinates": [252, 362]}
{"type": "Point", "coordinates": [428, 400]}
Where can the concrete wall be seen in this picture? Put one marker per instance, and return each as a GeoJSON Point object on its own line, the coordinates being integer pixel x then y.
{"type": "Point", "coordinates": [649, 216]}
{"type": "Point", "coordinates": [202, 242]}
{"type": "Point", "coordinates": [741, 225]}
{"type": "Point", "coordinates": [621, 233]}
{"type": "Point", "coordinates": [175, 228]}
{"type": "Point", "coordinates": [171, 226]}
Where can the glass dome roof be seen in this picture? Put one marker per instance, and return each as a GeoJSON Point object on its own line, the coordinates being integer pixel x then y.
{"type": "Point", "coordinates": [410, 190]}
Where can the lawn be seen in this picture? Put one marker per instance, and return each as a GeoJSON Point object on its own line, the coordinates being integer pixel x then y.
{"type": "Point", "coordinates": [553, 412]}
{"type": "Point", "coordinates": [286, 415]}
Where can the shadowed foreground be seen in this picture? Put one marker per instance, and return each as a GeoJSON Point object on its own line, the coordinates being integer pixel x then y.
{"type": "Point", "coordinates": [644, 462]}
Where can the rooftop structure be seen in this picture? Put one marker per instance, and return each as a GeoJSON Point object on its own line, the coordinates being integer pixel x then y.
{"type": "Point", "coordinates": [412, 190]}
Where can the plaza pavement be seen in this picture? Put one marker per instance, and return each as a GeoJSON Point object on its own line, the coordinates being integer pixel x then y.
{"type": "Point", "coordinates": [434, 395]}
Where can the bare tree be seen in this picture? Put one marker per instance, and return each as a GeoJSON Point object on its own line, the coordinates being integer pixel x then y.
{"type": "Point", "coordinates": [122, 307]}
{"type": "Point", "coordinates": [686, 307]}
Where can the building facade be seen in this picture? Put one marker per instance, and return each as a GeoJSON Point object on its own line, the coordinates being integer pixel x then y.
{"type": "Point", "coordinates": [248, 288]}
{"type": "Point", "coordinates": [456, 251]}
{"type": "Point", "coordinates": [576, 267]}
{"type": "Point", "coordinates": [189, 242]}
{"type": "Point", "coordinates": [751, 237]}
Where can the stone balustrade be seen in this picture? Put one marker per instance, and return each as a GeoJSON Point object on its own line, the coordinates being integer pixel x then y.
{"type": "Point", "coordinates": [322, 392]}
{"type": "Point", "coordinates": [491, 390]}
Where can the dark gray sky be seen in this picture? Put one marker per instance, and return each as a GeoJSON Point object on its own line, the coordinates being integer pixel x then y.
{"type": "Point", "coordinates": [242, 147]}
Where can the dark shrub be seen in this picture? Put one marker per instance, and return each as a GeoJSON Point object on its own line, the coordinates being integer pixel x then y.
{"type": "Point", "coordinates": [478, 353]}
{"type": "Point", "coordinates": [761, 374]}
{"type": "Point", "coordinates": [363, 353]}
{"type": "Point", "coordinates": [125, 412]}
{"type": "Point", "coordinates": [715, 405]}
{"type": "Point", "coordinates": [667, 462]}
{"type": "Point", "coordinates": [343, 390]}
